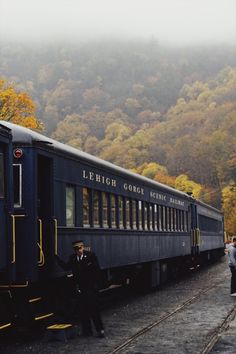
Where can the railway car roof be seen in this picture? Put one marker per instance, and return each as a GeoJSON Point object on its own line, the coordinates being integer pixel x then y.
{"type": "Point", "coordinates": [5, 131]}
{"type": "Point", "coordinates": [28, 137]}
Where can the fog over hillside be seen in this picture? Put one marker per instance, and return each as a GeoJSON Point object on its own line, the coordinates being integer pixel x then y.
{"type": "Point", "coordinates": [148, 85]}
{"type": "Point", "coordinates": [168, 21]}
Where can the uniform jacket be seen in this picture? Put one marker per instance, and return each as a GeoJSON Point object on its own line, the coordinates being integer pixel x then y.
{"type": "Point", "coordinates": [86, 272]}
{"type": "Point", "coordinates": [232, 256]}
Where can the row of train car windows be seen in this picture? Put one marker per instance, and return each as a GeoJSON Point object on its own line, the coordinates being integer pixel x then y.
{"type": "Point", "coordinates": [106, 210]}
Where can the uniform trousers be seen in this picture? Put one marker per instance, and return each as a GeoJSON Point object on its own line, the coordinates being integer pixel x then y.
{"type": "Point", "coordinates": [233, 280]}
{"type": "Point", "coordinates": [88, 306]}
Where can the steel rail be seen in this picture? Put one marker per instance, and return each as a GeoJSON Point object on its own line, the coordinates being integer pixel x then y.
{"type": "Point", "coordinates": [219, 330]}
{"type": "Point", "coordinates": [162, 319]}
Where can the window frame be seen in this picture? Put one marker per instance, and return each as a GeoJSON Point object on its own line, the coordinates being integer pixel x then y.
{"type": "Point", "coordinates": [98, 201]}
{"type": "Point", "coordinates": [71, 188]}
{"type": "Point", "coordinates": [113, 211]}
{"type": "Point", "coordinates": [88, 210]}
{"type": "Point", "coordinates": [20, 175]}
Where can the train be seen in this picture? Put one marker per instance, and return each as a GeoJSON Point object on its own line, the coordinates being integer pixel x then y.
{"type": "Point", "coordinates": [52, 194]}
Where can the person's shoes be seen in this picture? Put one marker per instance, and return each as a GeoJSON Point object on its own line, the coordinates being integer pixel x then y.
{"type": "Point", "coordinates": [234, 294]}
{"type": "Point", "coordinates": [101, 334]}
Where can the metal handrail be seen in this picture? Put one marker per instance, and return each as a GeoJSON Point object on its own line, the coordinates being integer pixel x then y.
{"type": "Point", "coordinates": [41, 261]}
{"type": "Point", "coordinates": [14, 235]}
{"type": "Point", "coordinates": [199, 239]}
{"type": "Point", "coordinates": [55, 237]}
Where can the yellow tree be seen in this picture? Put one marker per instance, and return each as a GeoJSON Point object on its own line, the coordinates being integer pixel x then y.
{"type": "Point", "coordinates": [229, 208]}
{"type": "Point", "coordinates": [184, 184]}
{"type": "Point", "coordinates": [17, 107]}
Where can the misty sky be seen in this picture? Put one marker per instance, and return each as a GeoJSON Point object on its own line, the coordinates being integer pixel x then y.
{"type": "Point", "coordinates": [171, 21]}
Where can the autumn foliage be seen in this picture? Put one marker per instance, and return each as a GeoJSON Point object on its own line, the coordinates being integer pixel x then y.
{"type": "Point", "coordinates": [166, 113]}
{"type": "Point", "coordinates": [17, 107]}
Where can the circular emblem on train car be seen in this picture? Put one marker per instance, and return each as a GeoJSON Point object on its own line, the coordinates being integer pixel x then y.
{"type": "Point", "coordinates": [18, 153]}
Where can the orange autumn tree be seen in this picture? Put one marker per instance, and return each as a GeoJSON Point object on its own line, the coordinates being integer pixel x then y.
{"type": "Point", "coordinates": [17, 107]}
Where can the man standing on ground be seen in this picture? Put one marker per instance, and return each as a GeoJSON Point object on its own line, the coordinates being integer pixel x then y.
{"type": "Point", "coordinates": [232, 265]}
{"type": "Point", "coordinates": [87, 276]}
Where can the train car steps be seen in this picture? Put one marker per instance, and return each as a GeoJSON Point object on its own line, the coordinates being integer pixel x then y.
{"type": "Point", "coordinates": [61, 332]}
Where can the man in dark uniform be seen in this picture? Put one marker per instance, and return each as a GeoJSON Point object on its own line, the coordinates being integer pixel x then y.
{"type": "Point", "coordinates": [87, 276]}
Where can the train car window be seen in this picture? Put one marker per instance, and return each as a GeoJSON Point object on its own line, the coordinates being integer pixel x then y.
{"type": "Point", "coordinates": [185, 221]}
{"type": "Point", "coordinates": [182, 220]}
{"type": "Point", "coordinates": [127, 213]}
{"type": "Point", "coordinates": [70, 206]}
{"type": "Point", "coordinates": [150, 216]}
{"type": "Point", "coordinates": [86, 207]}
{"type": "Point", "coordinates": [1, 175]}
{"type": "Point", "coordinates": [96, 222]}
{"type": "Point", "coordinates": [179, 220]}
{"type": "Point", "coordinates": [121, 212]}
{"type": "Point", "coordinates": [145, 216]}
{"type": "Point", "coordinates": [176, 219]}
{"type": "Point", "coordinates": [105, 209]}
{"type": "Point", "coordinates": [17, 181]}
{"type": "Point", "coordinates": [209, 224]}
{"type": "Point", "coordinates": [167, 219]}
{"type": "Point", "coordinates": [171, 214]}
{"type": "Point", "coordinates": [113, 211]}
{"type": "Point", "coordinates": [160, 217]}
{"type": "Point", "coordinates": [140, 215]}
{"type": "Point", "coordinates": [134, 214]}
{"type": "Point", "coordinates": [163, 218]}
{"type": "Point", "coordinates": [173, 219]}
{"type": "Point", "coordinates": [155, 217]}
{"type": "Point", "coordinates": [220, 226]}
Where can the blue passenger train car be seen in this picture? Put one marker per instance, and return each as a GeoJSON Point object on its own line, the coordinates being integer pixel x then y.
{"type": "Point", "coordinates": [134, 225]}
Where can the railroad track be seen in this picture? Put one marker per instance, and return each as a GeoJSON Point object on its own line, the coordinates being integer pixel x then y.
{"type": "Point", "coordinates": [213, 338]}
{"type": "Point", "coordinates": [219, 330]}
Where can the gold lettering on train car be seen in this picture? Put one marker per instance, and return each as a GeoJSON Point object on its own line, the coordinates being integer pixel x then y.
{"type": "Point", "coordinates": [92, 176]}
{"type": "Point", "coordinates": [176, 202]}
{"type": "Point", "coordinates": [133, 188]}
{"type": "Point", "coordinates": [113, 183]}
{"type": "Point", "coordinates": [98, 178]}
{"type": "Point", "coordinates": [157, 196]}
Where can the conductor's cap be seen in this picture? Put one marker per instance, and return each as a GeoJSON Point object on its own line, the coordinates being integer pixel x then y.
{"type": "Point", "coordinates": [76, 244]}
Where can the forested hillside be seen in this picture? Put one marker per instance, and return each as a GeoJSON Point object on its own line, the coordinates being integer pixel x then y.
{"type": "Point", "coordinates": [167, 113]}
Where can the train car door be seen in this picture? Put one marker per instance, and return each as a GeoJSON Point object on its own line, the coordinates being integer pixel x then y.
{"type": "Point", "coordinates": [3, 238]}
{"type": "Point", "coordinates": [194, 231]}
{"type": "Point", "coordinates": [45, 213]}
{"type": "Point", "coordinates": [6, 241]}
